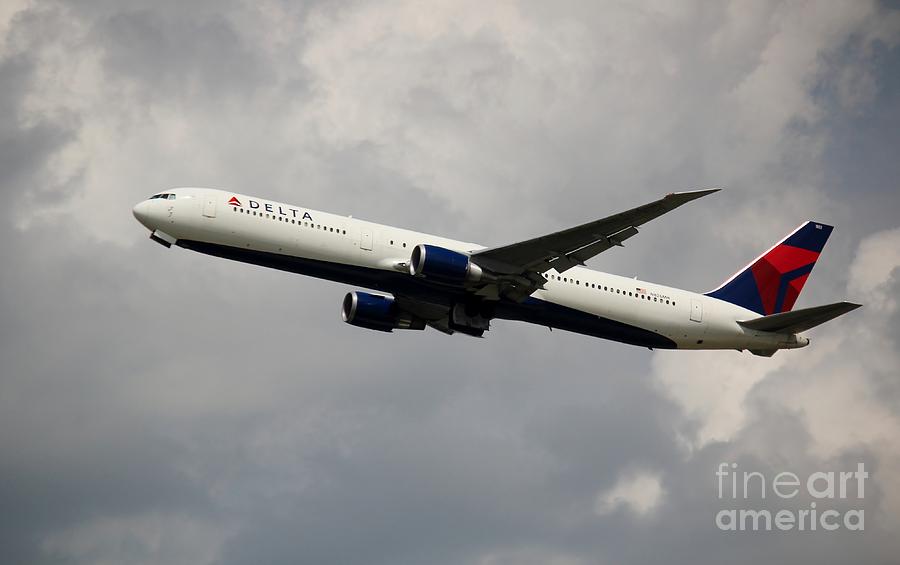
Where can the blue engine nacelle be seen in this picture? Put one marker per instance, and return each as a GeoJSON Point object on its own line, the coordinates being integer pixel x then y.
{"type": "Point", "coordinates": [443, 265]}
{"type": "Point", "coordinates": [377, 312]}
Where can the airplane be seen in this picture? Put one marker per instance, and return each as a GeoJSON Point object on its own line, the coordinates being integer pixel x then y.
{"type": "Point", "coordinates": [421, 280]}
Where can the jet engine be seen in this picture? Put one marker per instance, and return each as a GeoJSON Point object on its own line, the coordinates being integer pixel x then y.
{"type": "Point", "coordinates": [377, 312]}
{"type": "Point", "coordinates": [443, 265]}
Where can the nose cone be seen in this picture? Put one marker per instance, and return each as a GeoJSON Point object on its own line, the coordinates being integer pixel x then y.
{"type": "Point", "coordinates": [141, 213]}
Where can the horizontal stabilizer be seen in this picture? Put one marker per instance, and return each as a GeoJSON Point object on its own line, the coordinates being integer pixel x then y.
{"type": "Point", "coordinates": [799, 320]}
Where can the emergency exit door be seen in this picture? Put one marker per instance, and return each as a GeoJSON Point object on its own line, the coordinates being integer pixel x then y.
{"type": "Point", "coordinates": [209, 205]}
{"type": "Point", "coordinates": [696, 311]}
{"type": "Point", "coordinates": [365, 239]}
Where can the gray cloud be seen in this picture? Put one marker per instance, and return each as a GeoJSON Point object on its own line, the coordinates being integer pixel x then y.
{"type": "Point", "coordinates": [159, 406]}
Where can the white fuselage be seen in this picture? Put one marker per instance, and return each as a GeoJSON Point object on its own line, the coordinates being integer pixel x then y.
{"type": "Point", "coordinates": [691, 320]}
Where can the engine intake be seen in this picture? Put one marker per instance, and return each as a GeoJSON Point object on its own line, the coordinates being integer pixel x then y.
{"type": "Point", "coordinates": [377, 312]}
{"type": "Point", "coordinates": [444, 265]}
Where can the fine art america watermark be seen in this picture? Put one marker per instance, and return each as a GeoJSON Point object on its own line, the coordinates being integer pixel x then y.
{"type": "Point", "coordinates": [745, 496]}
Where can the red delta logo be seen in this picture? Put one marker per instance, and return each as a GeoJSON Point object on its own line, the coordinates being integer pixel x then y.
{"type": "Point", "coordinates": [780, 276]}
{"type": "Point", "coordinates": [235, 202]}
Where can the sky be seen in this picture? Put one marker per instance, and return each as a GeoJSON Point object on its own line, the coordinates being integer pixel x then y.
{"type": "Point", "coordinates": [161, 406]}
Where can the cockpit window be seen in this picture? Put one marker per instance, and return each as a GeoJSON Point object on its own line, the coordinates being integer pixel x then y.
{"type": "Point", "coordinates": [164, 196]}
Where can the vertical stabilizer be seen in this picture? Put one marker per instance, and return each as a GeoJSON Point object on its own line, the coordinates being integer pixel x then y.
{"type": "Point", "coordinates": [773, 281]}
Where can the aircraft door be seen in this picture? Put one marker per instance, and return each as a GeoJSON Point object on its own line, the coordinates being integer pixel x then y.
{"type": "Point", "coordinates": [696, 311]}
{"type": "Point", "coordinates": [365, 239]}
{"type": "Point", "coordinates": [209, 205]}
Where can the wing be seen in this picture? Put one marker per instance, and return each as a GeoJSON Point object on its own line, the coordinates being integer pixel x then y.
{"type": "Point", "coordinates": [523, 262]}
{"type": "Point", "coordinates": [565, 249]}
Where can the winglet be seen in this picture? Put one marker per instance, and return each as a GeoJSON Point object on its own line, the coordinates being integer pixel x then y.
{"type": "Point", "coordinates": [688, 195]}
{"type": "Point", "coordinates": [673, 200]}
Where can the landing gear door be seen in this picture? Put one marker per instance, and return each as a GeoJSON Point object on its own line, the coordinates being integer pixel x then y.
{"type": "Point", "coordinates": [365, 239]}
{"type": "Point", "coordinates": [696, 311]}
{"type": "Point", "coordinates": [209, 205]}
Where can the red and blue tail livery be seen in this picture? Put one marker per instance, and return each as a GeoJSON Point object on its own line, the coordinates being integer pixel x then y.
{"type": "Point", "coordinates": [772, 283]}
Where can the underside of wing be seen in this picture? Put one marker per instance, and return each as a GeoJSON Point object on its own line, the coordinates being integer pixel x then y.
{"type": "Point", "coordinates": [456, 316]}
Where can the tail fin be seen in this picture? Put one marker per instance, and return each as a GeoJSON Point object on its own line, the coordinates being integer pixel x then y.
{"type": "Point", "coordinates": [772, 282]}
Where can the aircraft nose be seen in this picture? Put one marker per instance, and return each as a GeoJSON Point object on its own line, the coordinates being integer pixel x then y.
{"type": "Point", "coordinates": [141, 213]}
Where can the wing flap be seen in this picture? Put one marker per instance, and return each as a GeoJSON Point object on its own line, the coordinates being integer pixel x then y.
{"type": "Point", "coordinates": [579, 256]}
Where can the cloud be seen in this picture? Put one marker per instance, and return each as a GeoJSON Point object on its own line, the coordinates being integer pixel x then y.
{"type": "Point", "coordinates": [640, 493]}
{"type": "Point", "coordinates": [143, 539]}
{"type": "Point", "coordinates": [161, 406]}
{"type": "Point", "coordinates": [874, 268]}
